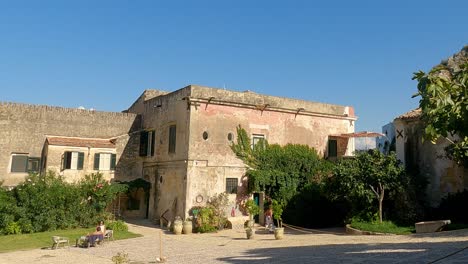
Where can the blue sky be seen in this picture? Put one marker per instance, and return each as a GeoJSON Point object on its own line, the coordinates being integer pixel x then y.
{"type": "Point", "coordinates": [103, 54]}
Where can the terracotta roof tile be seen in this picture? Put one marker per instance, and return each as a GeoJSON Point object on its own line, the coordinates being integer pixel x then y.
{"type": "Point", "coordinates": [80, 142]}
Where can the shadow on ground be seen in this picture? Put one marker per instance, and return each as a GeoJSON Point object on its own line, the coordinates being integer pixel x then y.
{"type": "Point", "coordinates": [357, 253]}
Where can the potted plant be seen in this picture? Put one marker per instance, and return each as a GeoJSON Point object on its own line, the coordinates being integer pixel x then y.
{"type": "Point", "coordinates": [277, 213]}
{"type": "Point", "coordinates": [253, 210]}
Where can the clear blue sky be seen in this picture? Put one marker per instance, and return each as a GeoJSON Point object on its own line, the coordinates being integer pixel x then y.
{"type": "Point", "coordinates": [103, 54]}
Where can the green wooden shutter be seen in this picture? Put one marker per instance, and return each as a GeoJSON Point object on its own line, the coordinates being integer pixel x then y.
{"type": "Point", "coordinates": [19, 163]}
{"type": "Point", "coordinates": [332, 148]}
{"type": "Point", "coordinates": [80, 161]}
{"type": "Point", "coordinates": [153, 143]}
{"type": "Point", "coordinates": [113, 161]}
{"type": "Point", "coordinates": [172, 139]}
{"type": "Point", "coordinates": [143, 143]}
{"type": "Point", "coordinates": [96, 161]}
{"type": "Point", "coordinates": [67, 160]}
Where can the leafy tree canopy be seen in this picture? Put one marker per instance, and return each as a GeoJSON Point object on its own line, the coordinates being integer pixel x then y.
{"type": "Point", "coordinates": [444, 103]}
{"type": "Point", "coordinates": [279, 171]}
{"type": "Point", "coordinates": [367, 177]}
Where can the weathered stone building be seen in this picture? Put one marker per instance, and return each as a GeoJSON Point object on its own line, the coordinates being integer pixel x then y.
{"type": "Point", "coordinates": [444, 175]}
{"type": "Point", "coordinates": [178, 141]}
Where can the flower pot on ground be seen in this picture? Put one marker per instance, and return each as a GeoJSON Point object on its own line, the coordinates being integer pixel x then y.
{"type": "Point", "coordinates": [253, 210]}
{"type": "Point", "coordinates": [177, 226]}
{"type": "Point", "coordinates": [250, 232]}
{"type": "Point", "coordinates": [279, 233]}
{"type": "Point", "coordinates": [277, 215]}
{"type": "Point", "coordinates": [187, 226]}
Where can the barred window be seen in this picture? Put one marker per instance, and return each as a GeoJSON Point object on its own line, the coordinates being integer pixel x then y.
{"type": "Point", "coordinates": [231, 185]}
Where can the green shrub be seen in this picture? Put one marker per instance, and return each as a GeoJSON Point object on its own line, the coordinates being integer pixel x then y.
{"type": "Point", "coordinates": [47, 202]}
{"type": "Point", "coordinates": [12, 228]}
{"type": "Point", "coordinates": [118, 225]}
{"type": "Point", "coordinates": [312, 208]}
{"type": "Point", "coordinates": [252, 208]}
{"type": "Point", "coordinates": [205, 221]}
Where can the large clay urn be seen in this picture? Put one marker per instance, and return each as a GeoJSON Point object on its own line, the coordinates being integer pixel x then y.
{"type": "Point", "coordinates": [279, 233]}
{"type": "Point", "coordinates": [187, 227]}
{"type": "Point", "coordinates": [177, 227]}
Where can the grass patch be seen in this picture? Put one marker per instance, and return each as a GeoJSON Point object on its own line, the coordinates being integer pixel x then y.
{"type": "Point", "coordinates": [44, 239]}
{"type": "Point", "coordinates": [385, 227]}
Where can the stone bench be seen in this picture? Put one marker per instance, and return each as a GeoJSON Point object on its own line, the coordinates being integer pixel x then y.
{"type": "Point", "coordinates": [431, 226]}
{"type": "Point", "coordinates": [237, 222]}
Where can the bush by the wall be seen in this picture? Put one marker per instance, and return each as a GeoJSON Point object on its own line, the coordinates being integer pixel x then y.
{"type": "Point", "coordinates": [313, 209]}
{"type": "Point", "coordinates": [47, 202]}
{"type": "Point", "coordinates": [118, 225]}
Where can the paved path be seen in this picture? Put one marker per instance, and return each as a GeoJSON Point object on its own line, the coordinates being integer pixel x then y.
{"type": "Point", "coordinates": [230, 246]}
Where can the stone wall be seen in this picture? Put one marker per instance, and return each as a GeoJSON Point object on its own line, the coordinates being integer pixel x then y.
{"type": "Point", "coordinates": [444, 176]}
{"type": "Point", "coordinates": [166, 171]}
{"type": "Point", "coordinates": [210, 158]}
{"type": "Point", "coordinates": [24, 129]}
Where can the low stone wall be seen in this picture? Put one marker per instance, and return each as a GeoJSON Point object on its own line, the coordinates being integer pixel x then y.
{"type": "Point", "coordinates": [354, 231]}
{"type": "Point", "coordinates": [431, 226]}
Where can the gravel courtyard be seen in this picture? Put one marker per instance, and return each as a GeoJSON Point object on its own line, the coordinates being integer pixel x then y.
{"type": "Point", "coordinates": [230, 246]}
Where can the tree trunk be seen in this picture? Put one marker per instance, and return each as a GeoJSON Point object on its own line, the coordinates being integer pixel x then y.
{"type": "Point", "coordinates": [382, 193]}
{"type": "Point", "coordinates": [379, 193]}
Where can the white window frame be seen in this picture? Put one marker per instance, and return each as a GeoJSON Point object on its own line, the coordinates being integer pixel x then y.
{"type": "Point", "coordinates": [256, 138]}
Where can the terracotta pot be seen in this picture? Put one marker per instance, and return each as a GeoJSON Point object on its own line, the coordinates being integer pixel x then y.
{"type": "Point", "coordinates": [250, 233]}
{"type": "Point", "coordinates": [187, 227]}
{"type": "Point", "coordinates": [279, 233]}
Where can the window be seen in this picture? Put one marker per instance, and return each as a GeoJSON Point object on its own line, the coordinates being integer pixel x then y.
{"type": "Point", "coordinates": [19, 163]}
{"type": "Point", "coordinates": [332, 148]}
{"type": "Point", "coordinates": [147, 141]}
{"type": "Point", "coordinates": [104, 161]}
{"type": "Point", "coordinates": [257, 138]}
{"type": "Point", "coordinates": [172, 139]}
{"type": "Point", "coordinates": [33, 164]}
{"type": "Point", "coordinates": [231, 185]}
{"type": "Point", "coordinates": [72, 160]}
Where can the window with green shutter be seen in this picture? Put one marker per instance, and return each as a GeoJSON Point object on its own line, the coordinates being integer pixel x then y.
{"type": "Point", "coordinates": [19, 163]}
{"type": "Point", "coordinates": [80, 161]}
{"type": "Point", "coordinates": [172, 139]}
{"type": "Point", "coordinates": [147, 143]}
{"type": "Point", "coordinates": [153, 142]}
{"type": "Point", "coordinates": [105, 161]}
{"type": "Point", "coordinates": [33, 164]}
{"type": "Point", "coordinates": [113, 161]}
{"type": "Point", "coordinates": [73, 160]}
{"type": "Point", "coordinates": [96, 161]}
{"type": "Point", "coordinates": [332, 148]}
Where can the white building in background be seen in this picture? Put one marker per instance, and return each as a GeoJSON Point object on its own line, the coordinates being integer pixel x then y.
{"type": "Point", "coordinates": [384, 143]}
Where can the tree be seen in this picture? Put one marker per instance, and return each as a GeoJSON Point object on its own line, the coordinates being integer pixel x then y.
{"type": "Point", "coordinates": [367, 177]}
{"type": "Point", "coordinates": [444, 104]}
{"type": "Point", "coordinates": [278, 171]}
